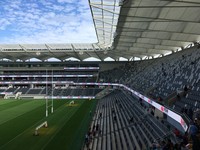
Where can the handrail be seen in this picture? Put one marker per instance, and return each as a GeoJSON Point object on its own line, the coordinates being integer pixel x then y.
{"type": "Point", "coordinates": [186, 118]}
{"type": "Point", "coordinates": [183, 115]}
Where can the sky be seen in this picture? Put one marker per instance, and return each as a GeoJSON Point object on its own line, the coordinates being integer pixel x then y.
{"type": "Point", "coordinates": [46, 21]}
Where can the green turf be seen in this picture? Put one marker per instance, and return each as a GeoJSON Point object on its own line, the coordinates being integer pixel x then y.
{"type": "Point", "coordinates": [17, 110]}
{"type": "Point", "coordinates": [5, 104]}
{"type": "Point", "coordinates": [83, 128]}
{"type": "Point", "coordinates": [2, 101]}
{"type": "Point", "coordinates": [66, 125]}
{"type": "Point", "coordinates": [72, 133]}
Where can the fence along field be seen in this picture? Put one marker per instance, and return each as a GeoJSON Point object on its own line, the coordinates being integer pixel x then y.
{"type": "Point", "coordinates": [66, 126]}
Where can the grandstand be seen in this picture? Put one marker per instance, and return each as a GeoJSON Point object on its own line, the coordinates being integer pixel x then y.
{"type": "Point", "coordinates": [150, 101]}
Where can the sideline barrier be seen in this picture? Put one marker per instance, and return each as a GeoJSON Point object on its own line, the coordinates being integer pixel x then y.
{"type": "Point", "coordinates": [70, 97]}
{"type": "Point", "coordinates": [160, 107]}
{"type": "Point", "coordinates": [72, 75]}
{"type": "Point", "coordinates": [81, 68]}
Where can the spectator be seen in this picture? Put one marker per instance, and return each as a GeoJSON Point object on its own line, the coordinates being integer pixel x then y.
{"type": "Point", "coordinates": [115, 118]}
{"type": "Point", "coordinates": [193, 130]}
{"type": "Point", "coordinates": [86, 138]}
{"type": "Point", "coordinates": [190, 113]}
{"type": "Point", "coordinates": [90, 113]}
{"type": "Point", "coordinates": [176, 146]}
{"type": "Point", "coordinates": [152, 112]}
{"type": "Point", "coordinates": [185, 110]}
{"type": "Point", "coordinates": [196, 124]}
{"type": "Point", "coordinates": [169, 145]}
{"type": "Point", "coordinates": [182, 110]}
{"type": "Point", "coordinates": [160, 99]}
{"type": "Point", "coordinates": [163, 143]}
{"type": "Point", "coordinates": [178, 96]}
{"type": "Point", "coordinates": [131, 120]}
{"type": "Point", "coordinates": [182, 146]}
{"type": "Point", "coordinates": [100, 115]}
{"type": "Point", "coordinates": [155, 146]}
{"type": "Point", "coordinates": [97, 127]}
{"type": "Point", "coordinates": [113, 110]}
{"type": "Point", "coordinates": [93, 128]}
{"type": "Point", "coordinates": [197, 114]}
{"type": "Point", "coordinates": [185, 88]}
{"type": "Point", "coordinates": [177, 133]}
{"type": "Point", "coordinates": [185, 138]}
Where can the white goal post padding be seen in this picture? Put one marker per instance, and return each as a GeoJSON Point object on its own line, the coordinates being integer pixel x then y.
{"type": "Point", "coordinates": [44, 124]}
{"type": "Point", "coordinates": [71, 103]}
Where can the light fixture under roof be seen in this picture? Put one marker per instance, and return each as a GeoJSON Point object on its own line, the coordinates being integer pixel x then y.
{"type": "Point", "coordinates": [38, 53]}
{"type": "Point", "coordinates": [105, 52]}
{"type": "Point", "coordinates": [80, 52]}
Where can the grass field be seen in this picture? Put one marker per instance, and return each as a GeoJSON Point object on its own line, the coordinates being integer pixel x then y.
{"type": "Point", "coordinates": [66, 126]}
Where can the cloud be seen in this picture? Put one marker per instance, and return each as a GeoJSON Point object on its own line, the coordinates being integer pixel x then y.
{"type": "Point", "coordinates": [52, 21]}
{"type": "Point", "coordinates": [4, 23]}
{"type": "Point", "coordinates": [67, 1]}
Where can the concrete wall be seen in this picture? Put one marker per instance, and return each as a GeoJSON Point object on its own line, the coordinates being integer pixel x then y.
{"type": "Point", "coordinates": [175, 124]}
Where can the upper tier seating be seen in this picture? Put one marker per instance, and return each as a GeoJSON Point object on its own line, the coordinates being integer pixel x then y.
{"type": "Point", "coordinates": [49, 73]}
{"type": "Point", "coordinates": [162, 77]}
{"type": "Point", "coordinates": [34, 91]}
{"type": "Point", "coordinates": [11, 90]}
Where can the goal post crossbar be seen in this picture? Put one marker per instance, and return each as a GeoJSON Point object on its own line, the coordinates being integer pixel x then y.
{"type": "Point", "coordinates": [49, 105]}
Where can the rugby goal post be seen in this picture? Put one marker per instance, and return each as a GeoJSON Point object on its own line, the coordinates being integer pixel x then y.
{"type": "Point", "coordinates": [44, 124]}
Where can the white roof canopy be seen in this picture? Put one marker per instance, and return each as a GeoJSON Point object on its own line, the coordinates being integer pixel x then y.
{"type": "Point", "coordinates": [151, 27]}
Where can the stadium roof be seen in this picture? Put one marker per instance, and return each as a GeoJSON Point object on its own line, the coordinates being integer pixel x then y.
{"type": "Point", "coordinates": [125, 28]}
{"type": "Point", "coordinates": [154, 27]}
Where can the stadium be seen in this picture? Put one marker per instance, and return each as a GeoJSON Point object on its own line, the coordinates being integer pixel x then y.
{"type": "Point", "coordinates": [136, 88]}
